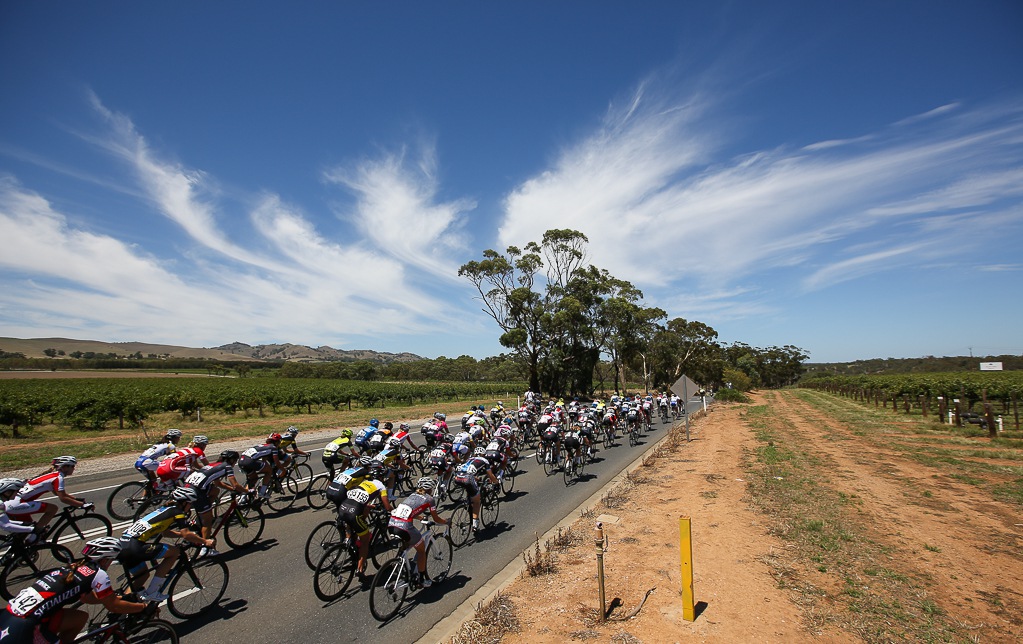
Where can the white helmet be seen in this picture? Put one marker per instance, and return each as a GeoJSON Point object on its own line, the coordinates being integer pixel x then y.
{"type": "Point", "coordinates": [102, 548]}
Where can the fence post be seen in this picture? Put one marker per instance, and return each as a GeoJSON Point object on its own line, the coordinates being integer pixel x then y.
{"type": "Point", "coordinates": [686, 554]}
{"type": "Point", "coordinates": [598, 543]}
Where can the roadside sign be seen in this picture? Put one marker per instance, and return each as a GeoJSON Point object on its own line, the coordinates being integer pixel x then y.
{"type": "Point", "coordinates": [685, 387]}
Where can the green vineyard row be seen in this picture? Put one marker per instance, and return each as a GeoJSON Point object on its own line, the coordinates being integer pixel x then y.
{"type": "Point", "coordinates": [971, 387]}
{"type": "Point", "coordinates": [93, 403]}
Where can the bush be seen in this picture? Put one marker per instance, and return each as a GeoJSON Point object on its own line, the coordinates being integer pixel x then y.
{"type": "Point", "coordinates": [730, 395]}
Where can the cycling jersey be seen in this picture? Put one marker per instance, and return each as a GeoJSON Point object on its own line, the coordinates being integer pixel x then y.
{"type": "Point", "coordinates": [150, 459]}
{"type": "Point", "coordinates": [203, 479]}
{"type": "Point", "coordinates": [337, 490]}
{"type": "Point", "coordinates": [35, 488]}
{"type": "Point", "coordinates": [408, 510]}
{"type": "Point", "coordinates": [362, 438]}
{"type": "Point", "coordinates": [175, 465]}
{"type": "Point", "coordinates": [152, 525]}
{"type": "Point", "coordinates": [9, 524]}
{"type": "Point", "coordinates": [387, 457]}
{"type": "Point", "coordinates": [335, 445]}
{"type": "Point", "coordinates": [42, 601]}
{"type": "Point", "coordinates": [254, 458]}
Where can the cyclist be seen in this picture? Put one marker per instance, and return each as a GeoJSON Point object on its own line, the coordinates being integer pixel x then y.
{"type": "Point", "coordinates": [337, 490]}
{"type": "Point", "coordinates": [362, 438]}
{"type": "Point", "coordinates": [674, 403]}
{"type": "Point", "coordinates": [339, 452]}
{"type": "Point", "coordinates": [441, 458]}
{"type": "Point", "coordinates": [289, 446]}
{"type": "Point", "coordinates": [662, 404]}
{"type": "Point", "coordinates": [8, 488]}
{"type": "Point", "coordinates": [149, 460]}
{"type": "Point", "coordinates": [462, 445]}
{"type": "Point", "coordinates": [207, 483]}
{"type": "Point", "coordinates": [140, 542]}
{"type": "Point", "coordinates": [25, 503]}
{"type": "Point", "coordinates": [587, 433]}
{"type": "Point", "coordinates": [551, 437]}
{"type": "Point", "coordinates": [174, 467]}
{"type": "Point", "coordinates": [441, 421]}
{"type": "Point", "coordinates": [356, 508]}
{"type": "Point", "coordinates": [432, 432]}
{"type": "Point", "coordinates": [38, 613]}
{"type": "Point", "coordinates": [401, 523]}
{"type": "Point", "coordinates": [466, 476]}
{"type": "Point", "coordinates": [648, 407]}
{"type": "Point", "coordinates": [378, 440]}
{"type": "Point", "coordinates": [262, 460]}
{"type": "Point", "coordinates": [497, 451]}
{"type": "Point", "coordinates": [573, 442]}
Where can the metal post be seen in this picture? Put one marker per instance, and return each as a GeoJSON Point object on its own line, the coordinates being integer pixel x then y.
{"type": "Point", "coordinates": [598, 543]}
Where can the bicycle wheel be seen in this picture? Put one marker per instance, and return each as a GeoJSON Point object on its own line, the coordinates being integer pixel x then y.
{"type": "Point", "coordinates": [303, 474]}
{"type": "Point", "coordinates": [568, 470]}
{"type": "Point", "coordinates": [26, 567]}
{"type": "Point", "coordinates": [320, 540]}
{"type": "Point", "coordinates": [384, 546]}
{"type": "Point", "coordinates": [244, 526]}
{"type": "Point", "coordinates": [456, 493]}
{"type": "Point", "coordinates": [438, 558]}
{"type": "Point", "coordinates": [80, 529]}
{"type": "Point", "coordinates": [195, 591]}
{"type": "Point", "coordinates": [580, 466]}
{"type": "Point", "coordinates": [490, 507]}
{"type": "Point", "coordinates": [540, 452]}
{"type": "Point", "coordinates": [154, 631]}
{"type": "Point", "coordinates": [390, 586]}
{"type": "Point", "coordinates": [148, 505]}
{"type": "Point", "coordinates": [460, 525]}
{"type": "Point", "coordinates": [334, 572]}
{"type": "Point", "coordinates": [633, 436]}
{"type": "Point", "coordinates": [549, 464]}
{"type": "Point", "coordinates": [606, 436]}
{"type": "Point", "coordinates": [125, 499]}
{"type": "Point", "coordinates": [508, 482]}
{"type": "Point", "coordinates": [280, 500]}
{"type": "Point", "coordinates": [317, 497]}
{"type": "Point", "coordinates": [513, 460]}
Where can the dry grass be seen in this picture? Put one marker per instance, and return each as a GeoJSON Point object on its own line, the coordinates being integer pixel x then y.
{"type": "Point", "coordinates": [490, 623]}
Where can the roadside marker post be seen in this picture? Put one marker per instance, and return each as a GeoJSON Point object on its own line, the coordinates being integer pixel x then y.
{"type": "Point", "coordinates": [686, 553]}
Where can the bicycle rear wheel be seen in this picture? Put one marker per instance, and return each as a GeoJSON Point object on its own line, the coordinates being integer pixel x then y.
{"type": "Point", "coordinates": [438, 558]}
{"type": "Point", "coordinates": [460, 525]}
{"type": "Point", "coordinates": [26, 567]}
{"type": "Point", "coordinates": [280, 500]}
{"type": "Point", "coordinates": [320, 540]}
{"type": "Point", "coordinates": [568, 470]}
{"type": "Point", "coordinates": [508, 482]}
{"type": "Point", "coordinates": [549, 463]}
{"type": "Point", "coordinates": [195, 591]}
{"type": "Point", "coordinates": [384, 546]}
{"type": "Point", "coordinates": [334, 572]}
{"type": "Point", "coordinates": [317, 497]}
{"type": "Point", "coordinates": [154, 631]}
{"type": "Point", "coordinates": [389, 589]}
{"type": "Point", "coordinates": [73, 534]}
{"type": "Point", "coordinates": [125, 499]}
{"type": "Point", "coordinates": [490, 507]}
{"type": "Point", "coordinates": [244, 526]}
{"type": "Point", "coordinates": [539, 453]}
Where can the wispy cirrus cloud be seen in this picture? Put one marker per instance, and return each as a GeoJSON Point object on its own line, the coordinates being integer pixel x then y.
{"type": "Point", "coordinates": [650, 183]}
{"type": "Point", "coordinates": [397, 208]}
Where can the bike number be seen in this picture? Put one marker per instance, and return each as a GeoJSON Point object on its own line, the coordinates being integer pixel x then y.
{"type": "Point", "coordinates": [249, 453]}
{"type": "Point", "coordinates": [358, 495]}
{"type": "Point", "coordinates": [195, 478]}
{"type": "Point", "coordinates": [402, 512]}
{"type": "Point", "coordinates": [137, 529]}
{"type": "Point", "coordinates": [26, 600]}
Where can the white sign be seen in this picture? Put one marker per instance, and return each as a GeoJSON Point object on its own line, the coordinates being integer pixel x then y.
{"type": "Point", "coordinates": [991, 366]}
{"type": "Point", "coordinates": [685, 387]}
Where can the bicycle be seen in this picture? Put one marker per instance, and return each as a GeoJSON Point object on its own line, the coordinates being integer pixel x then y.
{"type": "Point", "coordinates": [192, 587]}
{"type": "Point", "coordinates": [242, 523]}
{"type": "Point", "coordinates": [71, 529]}
{"type": "Point", "coordinates": [394, 579]}
{"type": "Point", "coordinates": [608, 433]}
{"type": "Point", "coordinates": [327, 534]}
{"type": "Point", "coordinates": [335, 569]}
{"type": "Point", "coordinates": [460, 523]}
{"type": "Point", "coordinates": [301, 470]}
{"type": "Point", "coordinates": [129, 629]}
{"type": "Point", "coordinates": [23, 563]}
{"type": "Point", "coordinates": [127, 499]}
{"type": "Point", "coordinates": [283, 491]}
{"type": "Point", "coordinates": [573, 468]}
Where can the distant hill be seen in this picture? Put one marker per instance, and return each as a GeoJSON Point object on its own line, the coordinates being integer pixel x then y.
{"type": "Point", "coordinates": [36, 348]}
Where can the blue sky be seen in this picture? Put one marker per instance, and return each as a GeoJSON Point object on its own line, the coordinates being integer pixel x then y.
{"type": "Point", "coordinates": [844, 177]}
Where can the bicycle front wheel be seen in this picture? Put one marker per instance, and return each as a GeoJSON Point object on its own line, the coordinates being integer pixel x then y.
{"type": "Point", "coordinates": [244, 526]}
{"type": "Point", "coordinates": [320, 540]}
{"type": "Point", "coordinates": [438, 558]}
{"type": "Point", "coordinates": [73, 534]}
{"type": "Point", "coordinates": [539, 454]}
{"type": "Point", "coordinates": [125, 499]}
{"type": "Point", "coordinates": [26, 567]}
{"type": "Point", "coordinates": [460, 525]}
{"type": "Point", "coordinates": [194, 591]}
{"type": "Point", "coordinates": [317, 496]}
{"type": "Point", "coordinates": [154, 631]}
{"type": "Point", "coordinates": [389, 589]}
{"type": "Point", "coordinates": [334, 572]}
{"type": "Point", "coordinates": [490, 507]}
{"type": "Point", "coordinates": [508, 482]}
{"type": "Point", "coordinates": [303, 474]}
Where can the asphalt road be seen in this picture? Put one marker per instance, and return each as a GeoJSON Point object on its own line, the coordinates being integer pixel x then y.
{"type": "Point", "coordinates": [270, 596]}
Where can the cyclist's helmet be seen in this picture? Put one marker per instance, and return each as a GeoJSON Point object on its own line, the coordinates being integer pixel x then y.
{"type": "Point", "coordinates": [172, 434]}
{"type": "Point", "coordinates": [404, 427]}
{"type": "Point", "coordinates": [10, 486]}
{"type": "Point", "coordinates": [439, 416]}
{"type": "Point", "coordinates": [200, 440]}
{"type": "Point", "coordinates": [425, 484]}
{"type": "Point", "coordinates": [292, 432]}
{"type": "Point", "coordinates": [185, 495]}
{"type": "Point", "coordinates": [388, 425]}
{"type": "Point", "coordinates": [273, 438]}
{"type": "Point", "coordinates": [366, 461]}
{"type": "Point", "coordinates": [449, 438]}
{"type": "Point", "coordinates": [229, 456]}
{"type": "Point", "coordinates": [479, 451]}
{"type": "Point", "coordinates": [61, 461]}
{"type": "Point", "coordinates": [374, 423]}
{"type": "Point", "coordinates": [102, 548]}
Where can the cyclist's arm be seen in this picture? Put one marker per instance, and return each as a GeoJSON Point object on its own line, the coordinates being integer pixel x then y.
{"type": "Point", "coordinates": [190, 537]}
{"type": "Point", "coordinates": [114, 603]}
{"type": "Point", "coordinates": [67, 499]}
{"type": "Point", "coordinates": [436, 517]}
{"type": "Point", "coordinates": [232, 485]}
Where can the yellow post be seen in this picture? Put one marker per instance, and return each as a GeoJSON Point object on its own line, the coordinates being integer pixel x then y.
{"type": "Point", "coordinates": [686, 552]}
{"type": "Point", "coordinates": [598, 542]}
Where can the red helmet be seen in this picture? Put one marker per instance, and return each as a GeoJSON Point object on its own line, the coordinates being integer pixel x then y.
{"type": "Point", "coordinates": [273, 437]}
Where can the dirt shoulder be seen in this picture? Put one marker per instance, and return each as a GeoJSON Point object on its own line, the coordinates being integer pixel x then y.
{"type": "Point", "coordinates": [806, 527]}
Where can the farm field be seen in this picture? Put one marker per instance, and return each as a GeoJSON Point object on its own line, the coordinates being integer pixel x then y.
{"type": "Point", "coordinates": [815, 518]}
